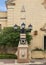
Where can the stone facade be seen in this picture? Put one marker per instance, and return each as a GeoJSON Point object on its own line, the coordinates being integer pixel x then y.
{"type": "Point", "coordinates": [34, 14]}
{"type": "Point", "coordinates": [3, 19]}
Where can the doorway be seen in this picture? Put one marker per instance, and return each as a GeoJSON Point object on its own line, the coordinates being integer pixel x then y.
{"type": "Point", "coordinates": [44, 42]}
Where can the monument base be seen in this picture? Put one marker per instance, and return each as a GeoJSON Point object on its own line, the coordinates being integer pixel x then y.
{"type": "Point", "coordinates": [23, 61]}
{"type": "Point", "coordinates": [23, 54]}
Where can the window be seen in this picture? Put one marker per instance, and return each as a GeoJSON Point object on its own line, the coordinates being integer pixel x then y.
{"type": "Point", "coordinates": [44, 42]}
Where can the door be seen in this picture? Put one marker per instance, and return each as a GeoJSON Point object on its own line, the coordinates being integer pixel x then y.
{"type": "Point", "coordinates": [44, 42]}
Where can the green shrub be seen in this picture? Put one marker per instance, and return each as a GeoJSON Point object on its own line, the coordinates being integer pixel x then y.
{"type": "Point", "coordinates": [45, 50]}
{"type": "Point", "coordinates": [37, 49]}
{"type": "Point", "coordinates": [10, 38]}
{"type": "Point", "coordinates": [8, 56]}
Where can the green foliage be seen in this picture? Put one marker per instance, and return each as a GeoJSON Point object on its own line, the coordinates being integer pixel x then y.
{"type": "Point", "coordinates": [28, 38]}
{"type": "Point", "coordinates": [8, 30]}
{"type": "Point", "coordinates": [13, 39]}
{"type": "Point", "coordinates": [37, 49]}
{"type": "Point", "coordinates": [45, 50]}
{"type": "Point", "coordinates": [10, 37]}
{"type": "Point", "coordinates": [8, 56]}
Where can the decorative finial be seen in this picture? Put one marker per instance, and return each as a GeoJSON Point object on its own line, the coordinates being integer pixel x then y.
{"type": "Point", "coordinates": [23, 9]}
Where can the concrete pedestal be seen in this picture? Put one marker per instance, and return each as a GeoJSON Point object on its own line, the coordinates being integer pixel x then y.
{"type": "Point", "coordinates": [23, 54]}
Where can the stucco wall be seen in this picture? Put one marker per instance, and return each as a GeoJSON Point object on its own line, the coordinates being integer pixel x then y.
{"type": "Point", "coordinates": [3, 23]}
{"type": "Point", "coordinates": [37, 54]}
{"type": "Point", "coordinates": [3, 14]}
{"type": "Point", "coordinates": [35, 13]}
{"type": "Point", "coordinates": [3, 19]}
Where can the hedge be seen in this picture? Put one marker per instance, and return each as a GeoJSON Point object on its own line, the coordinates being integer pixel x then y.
{"type": "Point", "coordinates": [8, 56]}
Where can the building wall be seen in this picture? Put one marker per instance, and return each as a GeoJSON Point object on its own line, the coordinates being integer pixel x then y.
{"type": "Point", "coordinates": [3, 19]}
{"type": "Point", "coordinates": [35, 13]}
{"type": "Point", "coordinates": [10, 14]}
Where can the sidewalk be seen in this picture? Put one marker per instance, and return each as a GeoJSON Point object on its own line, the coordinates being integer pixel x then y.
{"type": "Point", "coordinates": [14, 62]}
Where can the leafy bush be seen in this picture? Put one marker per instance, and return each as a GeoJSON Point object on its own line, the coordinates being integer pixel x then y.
{"type": "Point", "coordinates": [45, 50]}
{"type": "Point", "coordinates": [28, 38]}
{"type": "Point", "coordinates": [37, 49]}
{"type": "Point", "coordinates": [8, 56]}
{"type": "Point", "coordinates": [10, 38]}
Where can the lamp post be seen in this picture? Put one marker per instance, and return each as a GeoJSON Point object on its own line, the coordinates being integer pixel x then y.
{"type": "Point", "coordinates": [30, 27]}
{"type": "Point", "coordinates": [15, 27]}
{"type": "Point", "coordinates": [23, 25]}
{"type": "Point", "coordinates": [22, 28]}
{"type": "Point", "coordinates": [23, 50]}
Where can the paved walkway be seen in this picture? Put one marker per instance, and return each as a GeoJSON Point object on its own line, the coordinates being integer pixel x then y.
{"type": "Point", "coordinates": [14, 62]}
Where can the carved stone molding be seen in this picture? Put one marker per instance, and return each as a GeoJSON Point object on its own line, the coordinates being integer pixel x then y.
{"type": "Point", "coordinates": [23, 9]}
{"type": "Point", "coordinates": [43, 28]}
{"type": "Point", "coordinates": [44, 3]}
{"type": "Point", "coordinates": [10, 2]}
{"type": "Point", "coordinates": [3, 17]}
{"type": "Point", "coordinates": [23, 18]}
{"type": "Point", "coordinates": [35, 32]}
